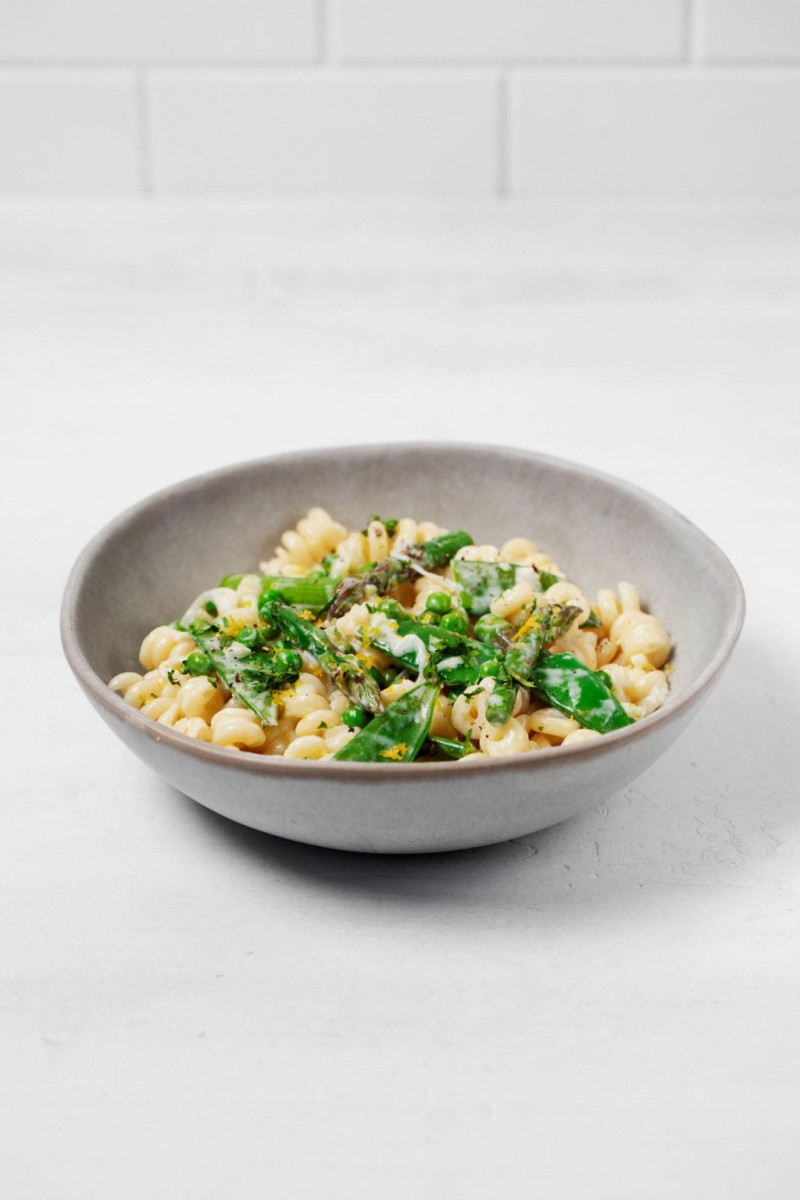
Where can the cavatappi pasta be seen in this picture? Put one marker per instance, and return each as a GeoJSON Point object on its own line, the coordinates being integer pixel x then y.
{"type": "Point", "coordinates": [401, 641]}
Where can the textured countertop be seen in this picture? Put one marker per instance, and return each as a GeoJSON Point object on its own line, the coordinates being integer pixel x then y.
{"type": "Point", "coordinates": [607, 1009]}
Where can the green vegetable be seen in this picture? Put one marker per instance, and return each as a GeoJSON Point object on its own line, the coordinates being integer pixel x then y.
{"type": "Point", "coordinates": [592, 621]}
{"type": "Point", "coordinates": [349, 675]}
{"type": "Point", "coordinates": [250, 636]}
{"type": "Point", "coordinates": [211, 608]}
{"type": "Point", "coordinates": [439, 602]}
{"type": "Point", "coordinates": [500, 705]}
{"type": "Point", "coordinates": [290, 660]}
{"type": "Point", "coordinates": [455, 621]}
{"type": "Point", "coordinates": [391, 572]}
{"type": "Point", "coordinates": [543, 626]}
{"type": "Point", "coordinates": [309, 591]}
{"type": "Point", "coordinates": [197, 663]}
{"type": "Point", "coordinates": [573, 689]}
{"type": "Point", "coordinates": [491, 629]}
{"type": "Point", "coordinates": [231, 581]}
{"type": "Point", "coordinates": [438, 551]}
{"type": "Point", "coordinates": [451, 747]}
{"type": "Point", "coordinates": [391, 608]}
{"type": "Point", "coordinates": [452, 657]}
{"type": "Point", "coordinates": [251, 677]}
{"type": "Point", "coordinates": [354, 717]}
{"type": "Point", "coordinates": [547, 579]}
{"type": "Point", "coordinates": [389, 524]}
{"type": "Point", "coordinates": [485, 581]}
{"type": "Point", "coordinates": [398, 734]}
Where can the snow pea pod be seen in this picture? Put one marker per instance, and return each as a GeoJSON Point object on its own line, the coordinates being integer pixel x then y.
{"type": "Point", "coordinates": [397, 735]}
{"type": "Point", "coordinates": [251, 676]}
{"type": "Point", "coordinates": [573, 689]}
{"type": "Point", "coordinates": [483, 582]}
{"type": "Point", "coordinates": [350, 676]}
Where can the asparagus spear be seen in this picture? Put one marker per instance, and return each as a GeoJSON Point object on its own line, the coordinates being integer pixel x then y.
{"type": "Point", "coordinates": [392, 571]}
{"type": "Point", "coordinates": [398, 734]}
{"type": "Point", "coordinates": [307, 591]}
{"type": "Point", "coordinates": [543, 626]}
{"type": "Point", "coordinates": [573, 689]}
{"type": "Point", "coordinates": [452, 747]}
{"type": "Point", "coordinates": [349, 675]}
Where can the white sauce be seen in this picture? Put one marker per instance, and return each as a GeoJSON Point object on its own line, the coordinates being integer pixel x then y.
{"type": "Point", "coordinates": [382, 628]}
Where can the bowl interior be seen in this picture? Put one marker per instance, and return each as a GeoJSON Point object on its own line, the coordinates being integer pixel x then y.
{"type": "Point", "coordinates": [147, 566]}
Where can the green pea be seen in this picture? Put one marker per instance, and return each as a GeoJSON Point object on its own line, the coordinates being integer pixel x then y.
{"type": "Point", "coordinates": [455, 621]}
{"type": "Point", "coordinates": [211, 608]}
{"type": "Point", "coordinates": [267, 629]}
{"type": "Point", "coordinates": [249, 636]}
{"type": "Point", "coordinates": [355, 717]}
{"type": "Point", "coordinates": [391, 608]}
{"type": "Point", "coordinates": [493, 667]}
{"type": "Point", "coordinates": [198, 663]}
{"type": "Point", "coordinates": [439, 602]}
{"type": "Point", "coordinates": [290, 660]}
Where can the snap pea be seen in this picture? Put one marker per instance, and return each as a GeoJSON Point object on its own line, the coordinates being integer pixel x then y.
{"type": "Point", "coordinates": [483, 582]}
{"type": "Point", "coordinates": [415, 645]}
{"type": "Point", "coordinates": [573, 689]}
{"type": "Point", "coordinates": [349, 675]}
{"type": "Point", "coordinates": [398, 733]}
{"type": "Point", "coordinates": [391, 572]}
{"type": "Point", "coordinates": [251, 676]}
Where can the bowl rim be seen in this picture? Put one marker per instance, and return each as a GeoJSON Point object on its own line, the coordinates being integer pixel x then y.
{"type": "Point", "coordinates": [276, 765]}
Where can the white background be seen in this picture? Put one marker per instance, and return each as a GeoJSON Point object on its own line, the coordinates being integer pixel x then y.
{"type": "Point", "coordinates": [607, 1009]}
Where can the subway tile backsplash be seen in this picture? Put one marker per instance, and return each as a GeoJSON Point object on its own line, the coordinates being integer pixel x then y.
{"type": "Point", "coordinates": [400, 97]}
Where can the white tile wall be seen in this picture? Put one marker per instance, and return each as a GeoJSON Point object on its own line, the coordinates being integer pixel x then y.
{"type": "Point", "coordinates": [158, 30]}
{"type": "Point", "coordinates": [68, 133]}
{"type": "Point", "coordinates": [646, 136]}
{"type": "Point", "coordinates": [507, 30]}
{"type": "Point", "coordinates": [753, 30]}
{"type": "Point", "coordinates": [384, 97]}
{"type": "Point", "coordinates": [323, 133]}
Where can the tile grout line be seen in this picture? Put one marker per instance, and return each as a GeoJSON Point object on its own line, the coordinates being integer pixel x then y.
{"type": "Point", "coordinates": [145, 142]}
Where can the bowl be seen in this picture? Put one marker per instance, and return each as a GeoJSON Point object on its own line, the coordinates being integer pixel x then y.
{"type": "Point", "coordinates": [146, 565]}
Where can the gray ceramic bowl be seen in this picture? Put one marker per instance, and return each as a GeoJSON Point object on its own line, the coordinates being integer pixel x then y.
{"type": "Point", "coordinates": [147, 565]}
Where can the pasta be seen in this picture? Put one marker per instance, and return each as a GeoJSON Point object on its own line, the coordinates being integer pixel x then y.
{"type": "Point", "coordinates": [343, 634]}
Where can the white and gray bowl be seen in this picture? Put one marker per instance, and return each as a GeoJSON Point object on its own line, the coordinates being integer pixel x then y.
{"type": "Point", "coordinates": [143, 569]}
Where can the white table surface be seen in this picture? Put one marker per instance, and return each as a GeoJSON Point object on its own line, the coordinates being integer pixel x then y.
{"type": "Point", "coordinates": [608, 1009]}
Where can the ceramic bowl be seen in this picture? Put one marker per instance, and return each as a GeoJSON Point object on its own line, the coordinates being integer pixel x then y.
{"type": "Point", "coordinates": [151, 561]}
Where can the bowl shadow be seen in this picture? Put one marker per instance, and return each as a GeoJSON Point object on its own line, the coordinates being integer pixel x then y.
{"type": "Point", "coordinates": [694, 821]}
